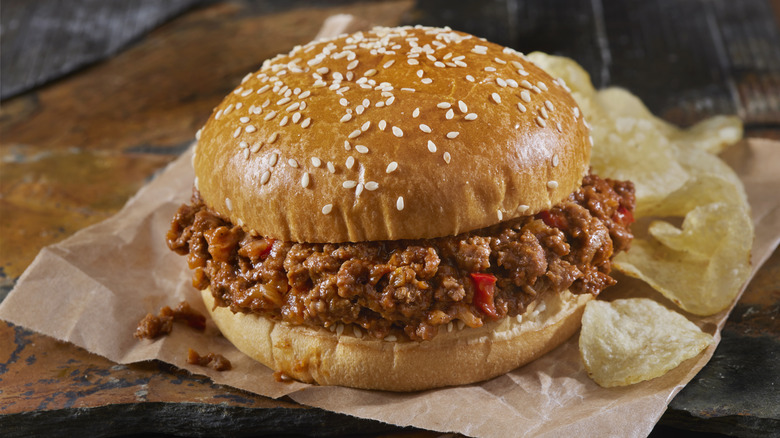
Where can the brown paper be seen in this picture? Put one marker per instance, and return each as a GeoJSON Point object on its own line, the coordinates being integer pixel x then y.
{"type": "Point", "coordinates": [93, 288]}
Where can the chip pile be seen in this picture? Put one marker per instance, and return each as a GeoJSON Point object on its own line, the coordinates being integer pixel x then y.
{"type": "Point", "coordinates": [693, 231]}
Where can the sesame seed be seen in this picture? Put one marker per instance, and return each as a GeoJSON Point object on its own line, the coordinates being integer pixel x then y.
{"type": "Point", "coordinates": [304, 95]}
{"type": "Point", "coordinates": [263, 89]}
{"type": "Point", "coordinates": [471, 116]}
{"type": "Point", "coordinates": [412, 61]}
{"type": "Point", "coordinates": [343, 102]}
{"type": "Point", "coordinates": [369, 73]}
{"type": "Point", "coordinates": [359, 109]}
{"type": "Point", "coordinates": [274, 158]}
{"type": "Point", "coordinates": [346, 118]}
{"type": "Point", "coordinates": [293, 106]}
{"type": "Point", "coordinates": [425, 128]}
{"type": "Point", "coordinates": [349, 184]}
{"type": "Point", "coordinates": [496, 98]}
{"type": "Point", "coordinates": [391, 167]}
{"type": "Point", "coordinates": [296, 117]}
{"type": "Point", "coordinates": [347, 146]}
{"type": "Point", "coordinates": [306, 122]}
{"type": "Point", "coordinates": [470, 78]}
{"type": "Point", "coordinates": [416, 113]}
{"type": "Point", "coordinates": [500, 215]}
{"type": "Point", "coordinates": [255, 147]}
{"type": "Point", "coordinates": [283, 100]}
{"type": "Point", "coordinates": [536, 89]}
{"type": "Point", "coordinates": [420, 73]}
{"type": "Point", "coordinates": [283, 122]}
{"type": "Point", "coordinates": [379, 104]}
{"type": "Point", "coordinates": [555, 160]}
{"type": "Point", "coordinates": [399, 203]}
{"type": "Point", "coordinates": [542, 85]}
{"type": "Point", "coordinates": [512, 83]}
{"type": "Point", "coordinates": [383, 124]}
{"type": "Point", "coordinates": [397, 131]}
{"type": "Point", "coordinates": [352, 65]}
{"type": "Point", "coordinates": [460, 63]}
{"type": "Point", "coordinates": [218, 115]}
{"type": "Point", "coordinates": [237, 132]}
{"type": "Point", "coordinates": [552, 184]}
{"type": "Point", "coordinates": [522, 208]}
{"type": "Point", "coordinates": [426, 81]}
{"type": "Point", "coordinates": [364, 127]}
{"type": "Point", "coordinates": [350, 162]}
{"type": "Point", "coordinates": [316, 162]}
{"type": "Point", "coordinates": [540, 121]}
{"type": "Point", "coordinates": [327, 208]}
{"type": "Point", "coordinates": [576, 112]}
{"type": "Point", "coordinates": [543, 113]}
{"type": "Point", "coordinates": [362, 149]}
{"type": "Point", "coordinates": [501, 82]}
{"type": "Point", "coordinates": [265, 177]}
{"type": "Point", "coordinates": [549, 105]}
{"type": "Point", "coordinates": [269, 116]}
{"type": "Point", "coordinates": [354, 134]}
{"type": "Point", "coordinates": [331, 167]}
{"type": "Point", "coordinates": [525, 95]}
{"type": "Point", "coordinates": [244, 119]}
{"type": "Point", "coordinates": [447, 157]}
{"type": "Point", "coordinates": [371, 186]}
{"type": "Point", "coordinates": [292, 162]}
{"type": "Point", "coordinates": [439, 64]}
{"type": "Point", "coordinates": [229, 204]}
{"type": "Point", "coordinates": [411, 90]}
{"type": "Point", "coordinates": [388, 63]}
{"type": "Point", "coordinates": [305, 180]}
{"type": "Point", "coordinates": [256, 109]}
{"type": "Point", "coordinates": [590, 140]}
{"type": "Point", "coordinates": [450, 114]}
{"type": "Point", "coordinates": [431, 146]}
{"type": "Point", "coordinates": [443, 105]}
{"type": "Point", "coordinates": [452, 134]}
{"type": "Point", "coordinates": [521, 107]}
{"type": "Point", "coordinates": [462, 106]}
{"type": "Point", "coordinates": [243, 145]}
{"type": "Point", "coordinates": [490, 69]}
{"type": "Point", "coordinates": [390, 101]}
{"type": "Point", "coordinates": [559, 127]}
{"type": "Point", "coordinates": [525, 84]}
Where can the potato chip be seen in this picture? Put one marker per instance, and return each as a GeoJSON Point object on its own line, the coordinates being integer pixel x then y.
{"type": "Point", "coordinates": [631, 340]}
{"type": "Point", "coordinates": [701, 266]}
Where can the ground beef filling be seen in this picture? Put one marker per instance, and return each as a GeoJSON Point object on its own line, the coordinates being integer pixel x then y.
{"type": "Point", "coordinates": [411, 288]}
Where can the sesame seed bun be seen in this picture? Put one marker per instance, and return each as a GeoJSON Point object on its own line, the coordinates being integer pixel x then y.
{"type": "Point", "coordinates": [399, 133]}
{"type": "Point", "coordinates": [456, 357]}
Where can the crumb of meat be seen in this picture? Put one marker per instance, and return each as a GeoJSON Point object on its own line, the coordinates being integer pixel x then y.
{"type": "Point", "coordinates": [214, 360]}
{"type": "Point", "coordinates": [152, 327]}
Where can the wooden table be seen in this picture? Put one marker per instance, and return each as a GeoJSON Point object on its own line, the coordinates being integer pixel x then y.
{"type": "Point", "coordinates": [75, 149]}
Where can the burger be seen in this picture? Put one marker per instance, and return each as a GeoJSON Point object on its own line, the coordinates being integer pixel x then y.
{"type": "Point", "coordinates": [399, 209]}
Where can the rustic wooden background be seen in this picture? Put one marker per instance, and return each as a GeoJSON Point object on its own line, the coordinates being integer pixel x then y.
{"type": "Point", "coordinates": [99, 95]}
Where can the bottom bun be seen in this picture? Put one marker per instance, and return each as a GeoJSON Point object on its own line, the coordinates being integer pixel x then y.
{"type": "Point", "coordinates": [453, 357]}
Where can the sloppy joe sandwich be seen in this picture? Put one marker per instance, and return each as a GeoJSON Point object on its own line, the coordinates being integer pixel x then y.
{"type": "Point", "coordinates": [399, 209]}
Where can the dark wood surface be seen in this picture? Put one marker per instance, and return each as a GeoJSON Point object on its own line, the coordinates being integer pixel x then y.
{"type": "Point", "coordinates": [75, 149]}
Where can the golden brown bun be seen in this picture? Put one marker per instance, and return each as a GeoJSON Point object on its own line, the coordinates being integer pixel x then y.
{"type": "Point", "coordinates": [451, 358]}
{"type": "Point", "coordinates": [508, 162]}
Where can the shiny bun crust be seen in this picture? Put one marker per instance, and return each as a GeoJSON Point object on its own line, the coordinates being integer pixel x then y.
{"type": "Point", "coordinates": [395, 133]}
{"type": "Point", "coordinates": [451, 358]}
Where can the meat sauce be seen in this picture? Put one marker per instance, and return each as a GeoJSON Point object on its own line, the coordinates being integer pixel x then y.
{"type": "Point", "coordinates": [411, 287]}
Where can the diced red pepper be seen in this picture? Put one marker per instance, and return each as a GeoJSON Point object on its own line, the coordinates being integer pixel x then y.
{"type": "Point", "coordinates": [623, 215]}
{"type": "Point", "coordinates": [270, 243]}
{"type": "Point", "coordinates": [553, 220]}
{"type": "Point", "coordinates": [485, 286]}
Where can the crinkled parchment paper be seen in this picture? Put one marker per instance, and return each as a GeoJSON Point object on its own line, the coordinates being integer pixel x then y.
{"type": "Point", "coordinates": [93, 288]}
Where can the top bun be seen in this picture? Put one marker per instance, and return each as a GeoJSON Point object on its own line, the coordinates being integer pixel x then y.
{"type": "Point", "coordinates": [395, 133]}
